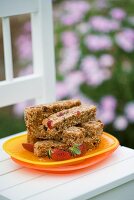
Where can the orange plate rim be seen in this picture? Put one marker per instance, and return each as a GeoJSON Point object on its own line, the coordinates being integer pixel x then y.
{"type": "Point", "coordinates": [54, 163]}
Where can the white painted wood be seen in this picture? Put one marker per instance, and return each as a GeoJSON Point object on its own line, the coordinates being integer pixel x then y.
{"type": "Point", "coordinates": [41, 86]}
{"type": "Point", "coordinates": [43, 49]}
{"type": "Point", "coordinates": [45, 182]}
{"type": "Point", "coordinates": [92, 184]}
{"type": "Point", "coordinates": [18, 177]}
{"type": "Point", "coordinates": [58, 185]}
{"type": "Point", "coordinates": [17, 7]}
{"type": "Point", "coordinates": [3, 155]}
{"type": "Point", "coordinates": [20, 89]}
{"type": "Point", "coordinates": [7, 166]}
{"type": "Point", "coordinates": [122, 192]}
{"type": "Point", "coordinates": [7, 48]}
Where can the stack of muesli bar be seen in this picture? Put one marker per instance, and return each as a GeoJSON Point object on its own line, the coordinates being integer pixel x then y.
{"type": "Point", "coordinates": [62, 125]}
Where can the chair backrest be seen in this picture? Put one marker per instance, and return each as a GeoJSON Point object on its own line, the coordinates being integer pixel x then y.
{"type": "Point", "coordinates": [41, 84]}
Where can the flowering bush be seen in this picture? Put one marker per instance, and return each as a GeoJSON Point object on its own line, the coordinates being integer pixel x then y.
{"type": "Point", "coordinates": [94, 46]}
{"type": "Point", "coordinates": [94, 54]}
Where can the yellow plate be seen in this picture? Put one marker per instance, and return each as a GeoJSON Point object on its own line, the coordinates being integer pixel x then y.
{"type": "Point", "coordinates": [14, 148]}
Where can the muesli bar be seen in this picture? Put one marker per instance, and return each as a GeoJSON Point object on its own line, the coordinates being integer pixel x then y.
{"type": "Point", "coordinates": [92, 143]}
{"type": "Point", "coordinates": [43, 134]}
{"type": "Point", "coordinates": [41, 148]}
{"type": "Point", "coordinates": [93, 128]}
{"type": "Point", "coordinates": [34, 115]}
{"type": "Point", "coordinates": [71, 117]}
{"type": "Point", "coordinates": [73, 135]}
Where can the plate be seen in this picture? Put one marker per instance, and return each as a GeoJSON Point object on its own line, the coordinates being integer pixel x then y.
{"type": "Point", "coordinates": [69, 168]}
{"type": "Point", "coordinates": [14, 148]}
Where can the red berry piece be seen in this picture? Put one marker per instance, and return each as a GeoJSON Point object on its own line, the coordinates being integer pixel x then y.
{"type": "Point", "coordinates": [83, 148]}
{"type": "Point", "coordinates": [28, 147]}
{"type": "Point", "coordinates": [78, 113]}
{"type": "Point", "coordinates": [49, 124]}
{"type": "Point", "coordinates": [59, 155]}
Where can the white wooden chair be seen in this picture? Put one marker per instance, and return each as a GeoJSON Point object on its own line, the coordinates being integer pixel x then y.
{"type": "Point", "coordinates": [110, 179]}
{"type": "Point", "coordinates": [41, 84]}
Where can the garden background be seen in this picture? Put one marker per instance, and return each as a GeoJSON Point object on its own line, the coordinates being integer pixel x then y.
{"type": "Point", "coordinates": [94, 55]}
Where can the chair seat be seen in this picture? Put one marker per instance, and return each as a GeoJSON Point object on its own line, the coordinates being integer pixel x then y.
{"type": "Point", "coordinates": [112, 178]}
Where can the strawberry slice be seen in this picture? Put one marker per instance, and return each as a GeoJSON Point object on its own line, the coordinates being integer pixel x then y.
{"type": "Point", "coordinates": [83, 148]}
{"type": "Point", "coordinates": [58, 155]}
{"type": "Point", "coordinates": [28, 147]}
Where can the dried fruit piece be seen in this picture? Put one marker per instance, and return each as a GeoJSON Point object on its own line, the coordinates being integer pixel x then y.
{"type": "Point", "coordinates": [58, 154]}
{"type": "Point", "coordinates": [28, 146]}
{"type": "Point", "coordinates": [78, 113]}
{"type": "Point", "coordinates": [49, 124]}
{"type": "Point", "coordinates": [83, 148]}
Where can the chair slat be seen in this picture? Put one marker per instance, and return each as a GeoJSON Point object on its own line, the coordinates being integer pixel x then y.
{"type": "Point", "coordinates": [7, 49]}
{"type": "Point", "coordinates": [20, 89]}
{"type": "Point", "coordinates": [43, 49]}
{"type": "Point", "coordinates": [17, 7]}
{"type": "Point", "coordinates": [8, 166]}
{"type": "Point", "coordinates": [19, 176]}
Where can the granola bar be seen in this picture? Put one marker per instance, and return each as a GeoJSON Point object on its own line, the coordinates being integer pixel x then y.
{"type": "Point", "coordinates": [43, 134]}
{"type": "Point", "coordinates": [34, 115]}
{"type": "Point", "coordinates": [67, 118]}
{"type": "Point", "coordinates": [73, 135]}
{"type": "Point", "coordinates": [93, 128]}
{"type": "Point", "coordinates": [41, 148]}
{"type": "Point", "coordinates": [92, 143]}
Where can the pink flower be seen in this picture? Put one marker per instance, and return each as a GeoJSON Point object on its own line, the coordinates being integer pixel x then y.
{"type": "Point", "coordinates": [93, 73]}
{"type": "Point", "coordinates": [83, 98]}
{"type": "Point", "coordinates": [74, 80]}
{"type": "Point", "coordinates": [129, 111]}
{"type": "Point", "coordinates": [109, 102]}
{"type": "Point", "coordinates": [18, 109]}
{"type": "Point", "coordinates": [74, 11]}
{"type": "Point", "coordinates": [120, 123]}
{"type": "Point", "coordinates": [74, 5]}
{"type": "Point", "coordinates": [102, 24]}
{"type": "Point", "coordinates": [98, 42]}
{"type": "Point", "coordinates": [129, 33]}
{"type": "Point", "coordinates": [89, 62]}
{"type": "Point", "coordinates": [69, 59]}
{"type": "Point", "coordinates": [61, 90]}
{"type": "Point", "coordinates": [96, 78]}
{"type": "Point", "coordinates": [106, 60]}
{"type": "Point", "coordinates": [107, 116]}
{"type": "Point", "coordinates": [100, 4]}
{"type": "Point", "coordinates": [27, 27]}
{"type": "Point", "coordinates": [26, 71]}
{"type": "Point", "coordinates": [106, 110]}
{"type": "Point", "coordinates": [118, 13]}
{"type": "Point", "coordinates": [69, 39]}
{"type": "Point", "coordinates": [125, 40]}
{"type": "Point", "coordinates": [24, 46]}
